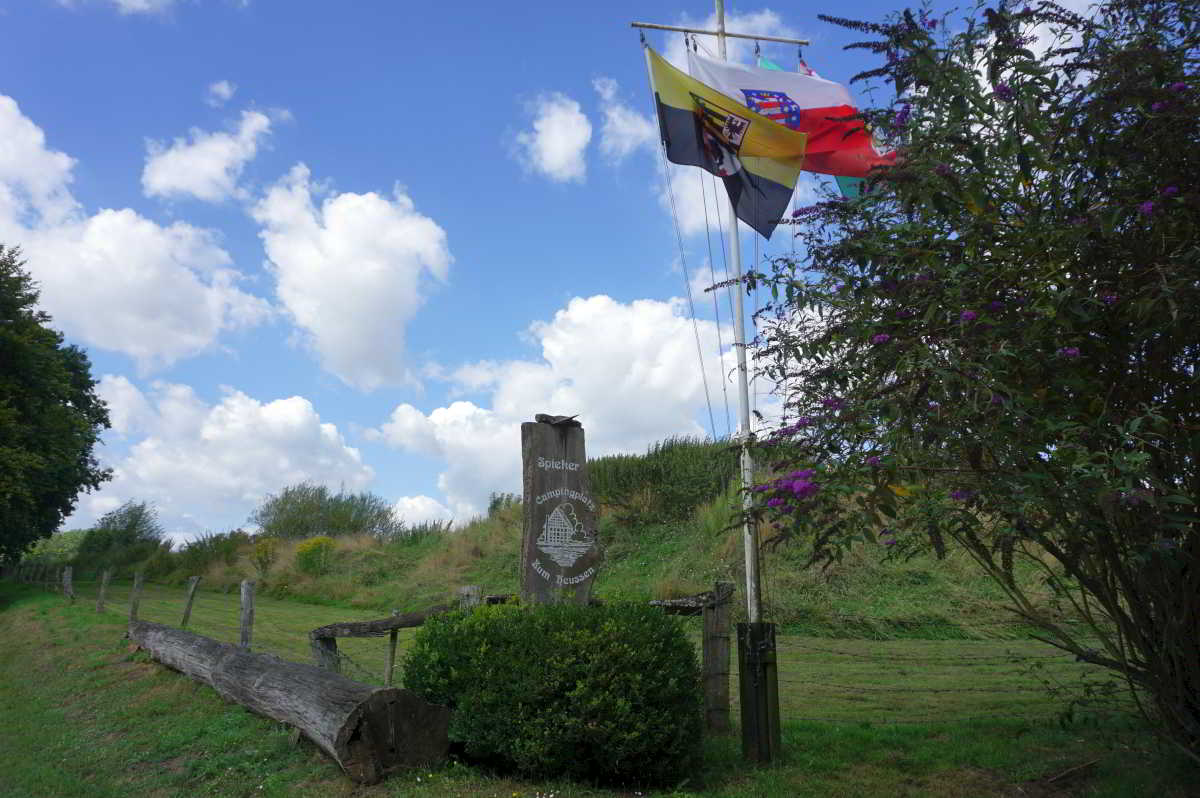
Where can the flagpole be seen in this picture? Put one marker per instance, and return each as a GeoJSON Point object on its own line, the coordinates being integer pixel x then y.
{"type": "Point", "coordinates": [749, 525]}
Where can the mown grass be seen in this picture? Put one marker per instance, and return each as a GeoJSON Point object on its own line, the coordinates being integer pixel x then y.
{"type": "Point", "coordinates": [86, 716]}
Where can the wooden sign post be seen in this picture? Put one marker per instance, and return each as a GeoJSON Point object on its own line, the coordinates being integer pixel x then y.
{"type": "Point", "coordinates": [559, 554]}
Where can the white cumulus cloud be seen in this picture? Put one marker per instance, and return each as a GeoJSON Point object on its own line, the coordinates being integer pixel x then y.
{"type": "Point", "coordinates": [414, 510]}
{"type": "Point", "coordinates": [156, 293]}
{"type": "Point", "coordinates": [350, 270]}
{"type": "Point", "coordinates": [555, 147]}
{"type": "Point", "coordinates": [220, 92]}
{"type": "Point", "coordinates": [211, 464]}
{"type": "Point", "coordinates": [623, 131]}
{"type": "Point", "coordinates": [630, 370]}
{"type": "Point", "coordinates": [204, 165]}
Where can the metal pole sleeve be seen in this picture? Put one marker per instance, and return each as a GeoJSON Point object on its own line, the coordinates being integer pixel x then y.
{"type": "Point", "coordinates": [755, 36]}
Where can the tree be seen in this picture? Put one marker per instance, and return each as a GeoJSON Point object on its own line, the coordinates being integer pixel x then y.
{"type": "Point", "coordinates": [996, 346]}
{"type": "Point", "coordinates": [305, 510]}
{"type": "Point", "coordinates": [122, 537]}
{"type": "Point", "coordinates": [50, 416]}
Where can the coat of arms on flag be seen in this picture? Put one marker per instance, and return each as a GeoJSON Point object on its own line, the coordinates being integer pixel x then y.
{"type": "Point", "coordinates": [774, 105]}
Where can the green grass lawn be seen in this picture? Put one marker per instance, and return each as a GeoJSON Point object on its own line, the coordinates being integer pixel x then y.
{"type": "Point", "coordinates": [85, 715]}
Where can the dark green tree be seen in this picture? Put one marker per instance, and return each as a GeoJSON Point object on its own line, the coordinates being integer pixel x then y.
{"type": "Point", "coordinates": [50, 416]}
{"type": "Point", "coordinates": [997, 346]}
{"type": "Point", "coordinates": [305, 510]}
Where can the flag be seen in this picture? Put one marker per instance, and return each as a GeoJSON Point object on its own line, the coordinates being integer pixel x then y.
{"type": "Point", "coordinates": [837, 144]}
{"type": "Point", "coordinates": [758, 160]}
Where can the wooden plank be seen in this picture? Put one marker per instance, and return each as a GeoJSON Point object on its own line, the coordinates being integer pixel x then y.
{"type": "Point", "coordinates": [369, 731]}
{"type": "Point", "coordinates": [716, 656]}
{"type": "Point", "coordinates": [759, 688]}
{"type": "Point", "coordinates": [469, 596]}
{"type": "Point", "coordinates": [247, 612]}
{"type": "Point", "coordinates": [103, 589]}
{"type": "Point", "coordinates": [380, 627]}
{"type": "Point", "coordinates": [191, 596]}
{"type": "Point", "coordinates": [325, 653]}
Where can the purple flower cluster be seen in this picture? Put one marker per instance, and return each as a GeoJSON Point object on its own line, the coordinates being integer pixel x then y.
{"type": "Point", "coordinates": [1146, 208]}
{"type": "Point", "coordinates": [1178, 88]}
{"type": "Point", "coordinates": [881, 338]}
{"type": "Point", "coordinates": [789, 490]}
{"type": "Point", "coordinates": [1169, 191]}
{"type": "Point", "coordinates": [1159, 106]}
{"type": "Point", "coordinates": [1109, 299]}
{"type": "Point", "coordinates": [905, 314]}
{"type": "Point", "coordinates": [1069, 352]}
{"type": "Point", "coordinates": [901, 118]}
{"type": "Point", "coordinates": [968, 315]}
{"type": "Point", "coordinates": [1003, 92]}
{"type": "Point", "coordinates": [874, 461]}
{"type": "Point", "coordinates": [960, 495]}
{"type": "Point", "coordinates": [996, 305]}
{"type": "Point", "coordinates": [833, 403]}
{"type": "Point", "coordinates": [943, 170]}
{"type": "Point", "coordinates": [888, 535]}
{"type": "Point", "coordinates": [792, 429]}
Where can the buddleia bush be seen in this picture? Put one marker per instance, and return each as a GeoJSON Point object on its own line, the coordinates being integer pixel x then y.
{"type": "Point", "coordinates": [603, 694]}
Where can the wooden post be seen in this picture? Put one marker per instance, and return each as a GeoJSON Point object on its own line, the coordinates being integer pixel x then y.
{"type": "Point", "coordinates": [468, 596]}
{"type": "Point", "coordinates": [135, 597]}
{"type": "Point", "coordinates": [391, 655]}
{"type": "Point", "coordinates": [191, 596]}
{"type": "Point", "coordinates": [104, 577]}
{"type": "Point", "coordinates": [68, 587]}
{"type": "Point", "coordinates": [325, 653]}
{"type": "Point", "coordinates": [716, 659]}
{"type": "Point", "coordinates": [759, 683]}
{"type": "Point", "coordinates": [247, 611]}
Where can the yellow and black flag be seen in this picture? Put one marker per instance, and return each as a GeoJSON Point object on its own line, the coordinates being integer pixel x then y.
{"type": "Point", "coordinates": [758, 159]}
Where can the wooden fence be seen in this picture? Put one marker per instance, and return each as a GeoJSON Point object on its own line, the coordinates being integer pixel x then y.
{"type": "Point", "coordinates": [712, 605]}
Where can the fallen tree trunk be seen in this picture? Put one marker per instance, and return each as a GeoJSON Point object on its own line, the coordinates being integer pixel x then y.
{"type": "Point", "coordinates": [369, 731]}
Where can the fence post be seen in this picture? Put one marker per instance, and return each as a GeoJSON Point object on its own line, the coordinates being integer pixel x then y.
{"type": "Point", "coordinates": [468, 596]}
{"type": "Point", "coordinates": [391, 655]}
{"type": "Point", "coordinates": [759, 689]}
{"type": "Point", "coordinates": [191, 595]}
{"type": "Point", "coordinates": [325, 653]}
{"type": "Point", "coordinates": [103, 589]}
{"type": "Point", "coordinates": [68, 586]}
{"type": "Point", "coordinates": [716, 650]}
{"type": "Point", "coordinates": [247, 611]}
{"type": "Point", "coordinates": [135, 597]}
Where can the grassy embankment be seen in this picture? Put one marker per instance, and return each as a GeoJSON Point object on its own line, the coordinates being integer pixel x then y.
{"type": "Point", "coordinates": [83, 716]}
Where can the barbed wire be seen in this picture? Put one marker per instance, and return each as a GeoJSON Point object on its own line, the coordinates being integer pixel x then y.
{"type": "Point", "coordinates": [978, 659]}
{"type": "Point", "coordinates": [865, 689]}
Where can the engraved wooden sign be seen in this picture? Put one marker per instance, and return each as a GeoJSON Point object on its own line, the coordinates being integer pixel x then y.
{"type": "Point", "coordinates": [559, 553]}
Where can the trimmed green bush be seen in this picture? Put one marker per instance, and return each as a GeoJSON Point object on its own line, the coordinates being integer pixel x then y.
{"type": "Point", "coordinates": [313, 555]}
{"type": "Point", "coordinates": [601, 694]}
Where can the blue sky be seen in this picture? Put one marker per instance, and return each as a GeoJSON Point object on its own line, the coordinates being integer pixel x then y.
{"type": "Point", "coordinates": [359, 243]}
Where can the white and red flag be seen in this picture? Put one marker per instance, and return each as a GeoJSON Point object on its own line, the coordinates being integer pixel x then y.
{"type": "Point", "coordinates": [838, 143]}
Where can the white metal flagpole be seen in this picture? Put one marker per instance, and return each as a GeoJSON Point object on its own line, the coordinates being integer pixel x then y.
{"type": "Point", "coordinates": [749, 527]}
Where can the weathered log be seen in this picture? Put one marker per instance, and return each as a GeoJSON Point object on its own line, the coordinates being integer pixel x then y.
{"type": "Point", "coordinates": [369, 731]}
{"type": "Point", "coordinates": [690, 605]}
{"type": "Point", "coordinates": [380, 627]}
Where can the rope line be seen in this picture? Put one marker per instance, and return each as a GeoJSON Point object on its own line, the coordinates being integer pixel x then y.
{"type": "Point", "coordinates": [716, 305]}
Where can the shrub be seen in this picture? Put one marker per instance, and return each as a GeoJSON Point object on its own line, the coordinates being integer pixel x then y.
{"type": "Point", "coordinates": [264, 555]}
{"type": "Point", "coordinates": [594, 693]}
{"type": "Point", "coordinates": [314, 554]}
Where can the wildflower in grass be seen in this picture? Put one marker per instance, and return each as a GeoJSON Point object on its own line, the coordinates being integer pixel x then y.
{"type": "Point", "coordinates": [968, 315]}
{"type": "Point", "coordinates": [881, 338]}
